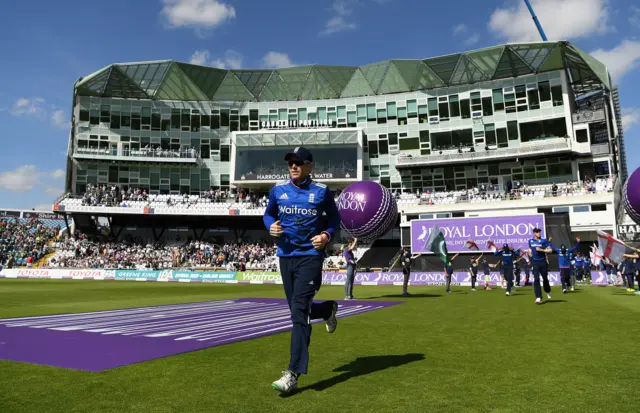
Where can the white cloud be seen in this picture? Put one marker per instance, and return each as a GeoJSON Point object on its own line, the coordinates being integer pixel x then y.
{"type": "Point", "coordinates": [229, 60]}
{"type": "Point", "coordinates": [21, 179]}
{"type": "Point", "coordinates": [200, 57]}
{"type": "Point", "coordinates": [560, 19]}
{"type": "Point", "coordinates": [197, 13]}
{"type": "Point", "coordinates": [44, 207]}
{"type": "Point", "coordinates": [340, 20]}
{"type": "Point", "coordinates": [460, 28]}
{"type": "Point", "coordinates": [277, 60]}
{"type": "Point", "coordinates": [630, 118]}
{"type": "Point", "coordinates": [621, 59]}
{"type": "Point", "coordinates": [59, 120]}
{"type": "Point", "coordinates": [58, 174]}
{"type": "Point", "coordinates": [473, 39]}
{"type": "Point", "coordinates": [26, 106]}
{"type": "Point", "coordinates": [53, 190]}
{"type": "Point", "coordinates": [27, 177]}
{"type": "Point", "coordinates": [634, 16]}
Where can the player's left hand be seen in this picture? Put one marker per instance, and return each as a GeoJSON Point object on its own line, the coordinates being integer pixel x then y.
{"type": "Point", "coordinates": [319, 241]}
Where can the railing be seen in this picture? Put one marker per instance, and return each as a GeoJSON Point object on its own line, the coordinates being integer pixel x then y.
{"type": "Point", "coordinates": [190, 154]}
{"type": "Point", "coordinates": [550, 145]}
{"type": "Point", "coordinates": [600, 149]}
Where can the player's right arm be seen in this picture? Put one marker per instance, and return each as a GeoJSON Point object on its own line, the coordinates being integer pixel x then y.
{"type": "Point", "coordinates": [270, 217]}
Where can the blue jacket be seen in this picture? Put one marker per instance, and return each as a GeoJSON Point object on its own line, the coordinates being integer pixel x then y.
{"type": "Point", "coordinates": [541, 243]}
{"type": "Point", "coordinates": [579, 262]}
{"type": "Point", "coordinates": [507, 256]}
{"type": "Point", "coordinates": [300, 209]}
{"type": "Point", "coordinates": [564, 260]}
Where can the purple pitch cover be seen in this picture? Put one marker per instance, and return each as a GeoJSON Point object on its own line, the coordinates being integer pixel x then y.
{"type": "Point", "coordinates": [105, 340]}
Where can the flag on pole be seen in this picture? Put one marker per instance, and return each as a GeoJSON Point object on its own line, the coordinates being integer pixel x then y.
{"type": "Point", "coordinates": [437, 244]}
{"type": "Point", "coordinates": [470, 245]}
{"type": "Point", "coordinates": [610, 247]}
{"type": "Point", "coordinates": [492, 246]}
{"type": "Point", "coordinates": [596, 258]}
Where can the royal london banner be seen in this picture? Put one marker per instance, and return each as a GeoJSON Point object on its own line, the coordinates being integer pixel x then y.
{"type": "Point", "coordinates": [598, 278]}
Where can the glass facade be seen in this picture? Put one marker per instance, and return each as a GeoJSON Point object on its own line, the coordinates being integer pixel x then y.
{"type": "Point", "coordinates": [505, 97]}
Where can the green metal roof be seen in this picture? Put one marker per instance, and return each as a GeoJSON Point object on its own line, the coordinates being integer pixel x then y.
{"type": "Point", "coordinates": [169, 80]}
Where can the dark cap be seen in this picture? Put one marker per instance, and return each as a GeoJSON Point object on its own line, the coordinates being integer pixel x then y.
{"type": "Point", "coordinates": [535, 230]}
{"type": "Point", "coordinates": [300, 153]}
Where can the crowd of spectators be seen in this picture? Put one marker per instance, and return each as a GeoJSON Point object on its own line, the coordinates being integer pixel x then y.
{"type": "Point", "coordinates": [111, 195]}
{"type": "Point", "coordinates": [24, 241]}
{"type": "Point", "coordinates": [134, 253]}
{"type": "Point", "coordinates": [513, 190]}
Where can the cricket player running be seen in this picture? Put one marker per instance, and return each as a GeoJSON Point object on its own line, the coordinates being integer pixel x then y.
{"type": "Point", "coordinates": [508, 255]}
{"type": "Point", "coordinates": [564, 262]}
{"type": "Point", "coordinates": [540, 247]}
{"type": "Point", "coordinates": [294, 216]}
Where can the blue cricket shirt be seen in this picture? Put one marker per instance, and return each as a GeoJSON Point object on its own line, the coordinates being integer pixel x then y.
{"type": "Point", "coordinates": [540, 243]}
{"type": "Point", "coordinates": [564, 260]}
{"type": "Point", "coordinates": [300, 209]}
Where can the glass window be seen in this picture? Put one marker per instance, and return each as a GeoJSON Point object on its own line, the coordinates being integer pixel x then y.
{"type": "Point", "coordinates": [195, 123]}
{"type": "Point", "coordinates": [115, 120]}
{"type": "Point", "coordinates": [433, 106]}
{"type": "Point", "coordinates": [476, 102]}
{"type": "Point", "coordinates": [373, 149]}
{"type": "Point", "coordinates": [487, 107]}
{"type": "Point", "coordinates": [545, 91]}
{"type": "Point", "coordinates": [443, 108]}
{"type": "Point", "coordinates": [534, 101]}
{"type": "Point", "coordinates": [556, 93]}
{"type": "Point", "coordinates": [409, 144]}
{"type": "Point", "coordinates": [512, 129]}
{"type": "Point", "coordinates": [351, 119]}
{"type": "Point", "coordinates": [371, 112]}
{"type": "Point", "coordinates": [423, 114]}
{"type": "Point", "coordinates": [424, 136]}
{"type": "Point", "coordinates": [175, 118]}
{"type": "Point", "coordinates": [224, 117]}
{"type": "Point", "coordinates": [581, 208]}
{"type": "Point", "coordinates": [454, 106]}
{"type": "Point", "coordinates": [205, 151]}
{"type": "Point", "coordinates": [362, 112]}
{"type": "Point", "coordinates": [503, 141]}
{"type": "Point", "coordinates": [253, 114]}
{"type": "Point", "coordinates": [342, 111]}
{"type": "Point", "coordinates": [465, 109]}
{"type": "Point", "coordinates": [498, 100]}
{"type": "Point", "coordinates": [402, 116]}
{"type": "Point", "coordinates": [84, 116]}
{"type": "Point", "coordinates": [382, 116]}
{"type": "Point", "coordinates": [549, 128]}
{"type": "Point", "coordinates": [521, 92]}
{"type": "Point", "coordinates": [302, 114]}
{"type": "Point", "coordinates": [490, 134]}
{"type": "Point", "coordinates": [462, 138]}
{"type": "Point", "coordinates": [582, 136]}
{"type": "Point", "coordinates": [322, 113]}
{"type": "Point", "coordinates": [393, 139]}
{"type": "Point", "coordinates": [412, 106]}
{"type": "Point", "coordinates": [94, 117]}
{"type": "Point", "coordinates": [215, 122]}
{"type": "Point", "coordinates": [244, 122]}
{"type": "Point", "coordinates": [225, 153]}
{"type": "Point", "coordinates": [383, 147]}
{"type": "Point", "coordinates": [391, 110]}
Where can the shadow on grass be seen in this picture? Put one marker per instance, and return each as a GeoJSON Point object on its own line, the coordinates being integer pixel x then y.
{"type": "Point", "coordinates": [554, 301]}
{"type": "Point", "coordinates": [405, 296]}
{"type": "Point", "coordinates": [361, 367]}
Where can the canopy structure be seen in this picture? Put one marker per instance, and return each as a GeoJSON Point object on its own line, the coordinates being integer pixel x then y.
{"type": "Point", "coordinates": [170, 80]}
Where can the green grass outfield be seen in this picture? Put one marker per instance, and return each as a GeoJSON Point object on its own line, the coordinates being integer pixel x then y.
{"type": "Point", "coordinates": [481, 352]}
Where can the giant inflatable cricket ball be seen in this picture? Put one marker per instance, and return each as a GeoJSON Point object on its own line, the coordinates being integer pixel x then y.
{"type": "Point", "coordinates": [631, 194]}
{"type": "Point", "coordinates": [368, 210]}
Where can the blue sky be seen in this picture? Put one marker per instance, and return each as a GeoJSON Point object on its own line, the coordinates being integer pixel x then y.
{"type": "Point", "coordinates": [46, 46]}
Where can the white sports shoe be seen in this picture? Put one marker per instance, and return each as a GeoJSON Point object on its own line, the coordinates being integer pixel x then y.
{"type": "Point", "coordinates": [548, 296]}
{"type": "Point", "coordinates": [573, 288]}
{"type": "Point", "coordinates": [332, 321]}
{"type": "Point", "coordinates": [507, 294]}
{"type": "Point", "coordinates": [287, 383]}
{"type": "Point", "coordinates": [538, 301]}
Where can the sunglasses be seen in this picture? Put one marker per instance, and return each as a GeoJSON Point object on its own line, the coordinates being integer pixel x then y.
{"type": "Point", "coordinates": [296, 163]}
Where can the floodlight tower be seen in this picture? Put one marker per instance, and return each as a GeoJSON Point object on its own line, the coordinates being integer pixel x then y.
{"type": "Point", "coordinates": [535, 19]}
